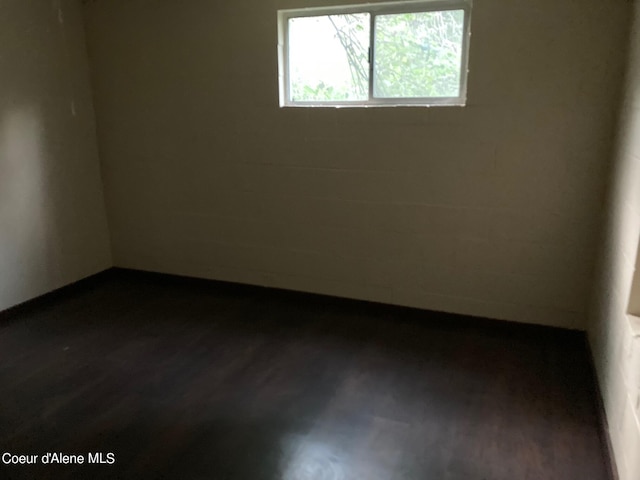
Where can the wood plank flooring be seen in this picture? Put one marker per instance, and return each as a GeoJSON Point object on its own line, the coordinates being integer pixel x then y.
{"type": "Point", "coordinates": [188, 379]}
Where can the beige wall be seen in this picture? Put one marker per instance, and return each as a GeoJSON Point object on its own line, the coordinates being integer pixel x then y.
{"type": "Point", "coordinates": [52, 220]}
{"type": "Point", "coordinates": [614, 336]}
{"type": "Point", "coordinates": [484, 210]}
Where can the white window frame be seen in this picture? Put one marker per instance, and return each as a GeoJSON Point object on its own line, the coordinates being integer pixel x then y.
{"type": "Point", "coordinates": [373, 9]}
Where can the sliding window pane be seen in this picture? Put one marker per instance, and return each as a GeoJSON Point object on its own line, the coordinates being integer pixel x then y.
{"type": "Point", "coordinates": [418, 54]}
{"type": "Point", "coordinates": [328, 58]}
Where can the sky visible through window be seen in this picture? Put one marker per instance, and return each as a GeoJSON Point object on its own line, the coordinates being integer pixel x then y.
{"type": "Point", "coordinates": [319, 63]}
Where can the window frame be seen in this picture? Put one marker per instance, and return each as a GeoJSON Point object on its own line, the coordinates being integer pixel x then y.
{"type": "Point", "coordinates": [374, 9]}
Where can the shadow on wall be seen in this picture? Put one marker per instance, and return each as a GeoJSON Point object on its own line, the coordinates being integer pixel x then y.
{"type": "Point", "coordinates": [24, 220]}
{"type": "Point", "coordinates": [27, 208]}
{"type": "Point", "coordinates": [52, 221]}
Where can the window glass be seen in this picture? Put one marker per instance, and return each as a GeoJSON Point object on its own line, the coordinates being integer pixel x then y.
{"type": "Point", "coordinates": [418, 54]}
{"type": "Point", "coordinates": [328, 58]}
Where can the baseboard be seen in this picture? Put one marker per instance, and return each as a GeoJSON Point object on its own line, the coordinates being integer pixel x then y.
{"type": "Point", "coordinates": [451, 320]}
{"type": "Point", "coordinates": [49, 297]}
{"type": "Point", "coordinates": [446, 319]}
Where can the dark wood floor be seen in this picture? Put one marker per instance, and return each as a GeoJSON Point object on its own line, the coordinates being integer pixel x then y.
{"type": "Point", "coordinates": [185, 379]}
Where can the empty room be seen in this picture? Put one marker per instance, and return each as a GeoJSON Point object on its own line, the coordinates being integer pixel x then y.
{"type": "Point", "coordinates": [320, 239]}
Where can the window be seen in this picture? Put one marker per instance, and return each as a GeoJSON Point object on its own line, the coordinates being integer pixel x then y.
{"type": "Point", "coordinates": [400, 53]}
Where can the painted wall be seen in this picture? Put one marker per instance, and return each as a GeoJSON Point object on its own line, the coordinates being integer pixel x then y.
{"type": "Point", "coordinates": [53, 227]}
{"type": "Point", "coordinates": [615, 336]}
{"type": "Point", "coordinates": [484, 210]}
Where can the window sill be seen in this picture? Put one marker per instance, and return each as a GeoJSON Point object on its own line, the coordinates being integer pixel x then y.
{"type": "Point", "coordinates": [372, 105]}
